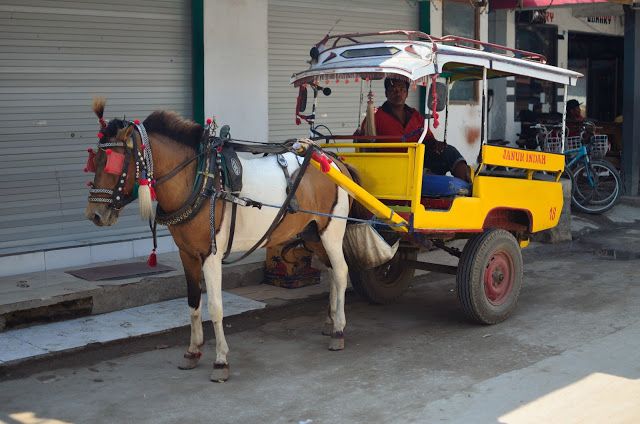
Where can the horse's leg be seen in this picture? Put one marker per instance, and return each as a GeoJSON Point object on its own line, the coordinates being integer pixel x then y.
{"type": "Point", "coordinates": [332, 242]}
{"type": "Point", "coordinates": [327, 329]}
{"type": "Point", "coordinates": [193, 273]}
{"type": "Point", "coordinates": [213, 279]}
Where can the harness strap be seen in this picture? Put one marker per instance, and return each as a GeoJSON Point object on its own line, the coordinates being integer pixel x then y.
{"type": "Point", "coordinates": [283, 209]}
{"type": "Point", "coordinates": [232, 230]}
{"type": "Point", "coordinates": [177, 169]}
{"type": "Point", "coordinates": [196, 199]}
{"type": "Point", "coordinates": [214, 193]}
{"type": "Point", "coordinates": [285, 169]}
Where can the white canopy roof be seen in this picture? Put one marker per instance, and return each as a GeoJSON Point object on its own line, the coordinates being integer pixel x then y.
{"type": "Point", "coordinates": [420, 56]}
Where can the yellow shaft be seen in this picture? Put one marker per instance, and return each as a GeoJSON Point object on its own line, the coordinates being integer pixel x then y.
{"type": "Point", "coordinates": [379, 209]}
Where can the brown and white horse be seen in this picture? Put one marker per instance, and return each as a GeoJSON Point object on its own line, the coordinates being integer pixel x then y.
{"type": "Point", "coordinates": [173, 141]}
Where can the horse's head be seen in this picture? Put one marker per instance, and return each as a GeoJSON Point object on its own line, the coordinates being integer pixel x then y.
{"type": "Point", "coordinates": [114, 164]}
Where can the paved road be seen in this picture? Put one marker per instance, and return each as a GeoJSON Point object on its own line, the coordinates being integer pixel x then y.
{"type": "Point", "coordinates": [577, 327]}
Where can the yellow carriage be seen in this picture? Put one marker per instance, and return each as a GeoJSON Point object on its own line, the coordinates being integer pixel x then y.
{"type": "Point", "coordinates": [514, 193]}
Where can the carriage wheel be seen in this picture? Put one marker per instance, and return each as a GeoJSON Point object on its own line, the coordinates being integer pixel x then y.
{"type": "Point", "coordinates": [387, 282]}
{"type": "Point", "coordinates": [489, 276]}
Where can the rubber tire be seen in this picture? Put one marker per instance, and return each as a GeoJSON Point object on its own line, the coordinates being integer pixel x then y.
{"type": "Point", "coordinates": [378, 288]}
{"type": "Point", "coordinates": [470, 276]}
{"type": "Point", "coordinates": [594, 208]}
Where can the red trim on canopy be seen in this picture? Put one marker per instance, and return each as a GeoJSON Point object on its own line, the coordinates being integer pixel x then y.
{"type": "Point", "coordinates": [537, 4]}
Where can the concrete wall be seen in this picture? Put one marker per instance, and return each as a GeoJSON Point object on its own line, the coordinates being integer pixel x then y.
{"type": "Point", "coordinates": [235, 66]}
{"type": "Point", "coordinates": [463, 130]}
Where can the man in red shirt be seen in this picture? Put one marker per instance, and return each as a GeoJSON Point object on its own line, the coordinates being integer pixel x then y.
{"type": "Point", "coordinates": [395, 118]}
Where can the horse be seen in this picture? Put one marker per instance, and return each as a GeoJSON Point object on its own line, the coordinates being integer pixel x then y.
{"type": "Point", "coordinates": [160, 160]}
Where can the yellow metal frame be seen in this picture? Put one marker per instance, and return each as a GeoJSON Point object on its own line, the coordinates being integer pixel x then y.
{"type": "Point", "coordinates": [397, 175]}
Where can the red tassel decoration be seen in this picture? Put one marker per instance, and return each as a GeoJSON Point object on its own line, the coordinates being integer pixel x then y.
{"type": "Point", "coordinates": [153, 260]}
{"type": "Point", "coordinates": [325, 162]}
{"type": "Point", "coordinates": [148, 182]}
{"type": "Point", "coordinates": [137, 122]}
{"type": "Point", "coordinates": [91, 161]}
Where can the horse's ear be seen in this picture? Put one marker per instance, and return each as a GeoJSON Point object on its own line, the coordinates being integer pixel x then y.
{"type": "Point", "coordinates": [124, 135]}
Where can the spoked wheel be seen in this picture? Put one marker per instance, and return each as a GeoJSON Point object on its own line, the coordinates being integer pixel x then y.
{"type": "Point", "coordinates": [596, 187]}
{"type": "Point", "coordinates": [387, 282]}
{"type": "Point", "coordinates": [489, 276]}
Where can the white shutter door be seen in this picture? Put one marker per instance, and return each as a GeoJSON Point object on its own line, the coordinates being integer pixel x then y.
{"type": "Point", "coordinates": [294, 27]}
{"type": "Point", "coordinates": [54, 57]}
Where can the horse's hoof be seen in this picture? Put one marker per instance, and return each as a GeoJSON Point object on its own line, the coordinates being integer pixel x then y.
{"type": "Point", "coordinates": [220, 373]}
{"type": "Point", "coordinates": [190, 360]}
{"type": "Point", "coordinates": [337, 341]}
{"type": "Point", "coordinates": [327, 330]}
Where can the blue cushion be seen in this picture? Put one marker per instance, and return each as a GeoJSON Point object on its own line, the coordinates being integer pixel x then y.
{"type": "Point", "coordinates": [444, 186]}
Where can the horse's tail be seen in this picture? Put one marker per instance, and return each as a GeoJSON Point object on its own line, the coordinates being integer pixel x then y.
{"type": "Point", "coordinates": [98, 105]}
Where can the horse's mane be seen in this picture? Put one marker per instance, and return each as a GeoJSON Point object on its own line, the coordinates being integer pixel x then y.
{"type": "Point", "coordinates": [172, 125]}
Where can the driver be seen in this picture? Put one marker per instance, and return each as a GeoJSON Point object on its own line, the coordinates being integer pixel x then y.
{"type": "Point", "coordinates": [395, 118]}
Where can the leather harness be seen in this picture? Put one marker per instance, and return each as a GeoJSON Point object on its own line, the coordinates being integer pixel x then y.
{"type": "Point", "coordinates": [210, 184]}
{"type": "Point", "coordinates": [210, 178]}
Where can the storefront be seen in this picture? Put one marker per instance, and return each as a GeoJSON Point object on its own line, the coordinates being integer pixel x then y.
{"type": "Point", "coordinates": [597, 38]}
{"type": "Point", "coordinates": [585, 39]}
{"type": "Point", "coordinates": [54, 60]}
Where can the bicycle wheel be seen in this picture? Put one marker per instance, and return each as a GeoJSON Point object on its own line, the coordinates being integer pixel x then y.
{"type": "Point", "coordinates": [608, 182]}
{"type": "Point", "coordinates": [596, 188]}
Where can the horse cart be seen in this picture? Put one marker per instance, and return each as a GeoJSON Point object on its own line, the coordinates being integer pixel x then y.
{"type": "Point", "coordinates": [514, 193]}
{"type": "Point", "coordinates": [215, 202]}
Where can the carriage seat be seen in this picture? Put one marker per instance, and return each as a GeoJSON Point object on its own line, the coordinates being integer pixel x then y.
{"type": "Point", "coordinates": [444, 186]}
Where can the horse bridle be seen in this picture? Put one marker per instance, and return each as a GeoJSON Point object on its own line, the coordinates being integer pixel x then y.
{"type": "Point", "coordinates": [117, 197]}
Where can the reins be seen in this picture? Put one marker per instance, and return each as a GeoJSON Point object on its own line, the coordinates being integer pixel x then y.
{"type": "Point", "coordinates": [175, 171]}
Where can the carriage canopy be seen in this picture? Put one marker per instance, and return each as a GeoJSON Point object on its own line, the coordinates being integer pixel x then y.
{"type": "Point", "coordinates": [416, 56]}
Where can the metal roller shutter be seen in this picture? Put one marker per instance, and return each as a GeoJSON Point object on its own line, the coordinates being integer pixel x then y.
{"type": "Point", "coordinates": [295, 26]}
{"type": "Point", "coordinates": [54, 57]}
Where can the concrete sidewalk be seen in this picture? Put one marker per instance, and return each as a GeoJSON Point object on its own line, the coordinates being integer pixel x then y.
{"type": "Point", "coordinates": [55, 295]}
{"type": "Point", "coordinates": [33, 299]}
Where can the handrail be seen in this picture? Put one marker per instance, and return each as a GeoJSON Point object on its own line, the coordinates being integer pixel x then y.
{"type": "Point", "coordinates": [525, 54]}
{"type": "Point", "coordinates": [419, 35]}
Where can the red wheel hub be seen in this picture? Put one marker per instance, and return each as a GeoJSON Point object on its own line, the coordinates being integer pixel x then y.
{"type": "Point", "coordinates": [498, 277]}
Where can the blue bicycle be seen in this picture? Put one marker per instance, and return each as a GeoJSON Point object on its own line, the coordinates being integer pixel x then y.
{"type": "Point", "coordinates": [596, 184]}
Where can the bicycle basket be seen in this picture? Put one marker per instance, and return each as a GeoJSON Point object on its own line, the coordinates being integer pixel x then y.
{"type": "Point", "coordinates": [599, 146]}
{"type": "Point", "coordinates": [553, 144]}
{"type": "Point", "coordinates": [574, 142]}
